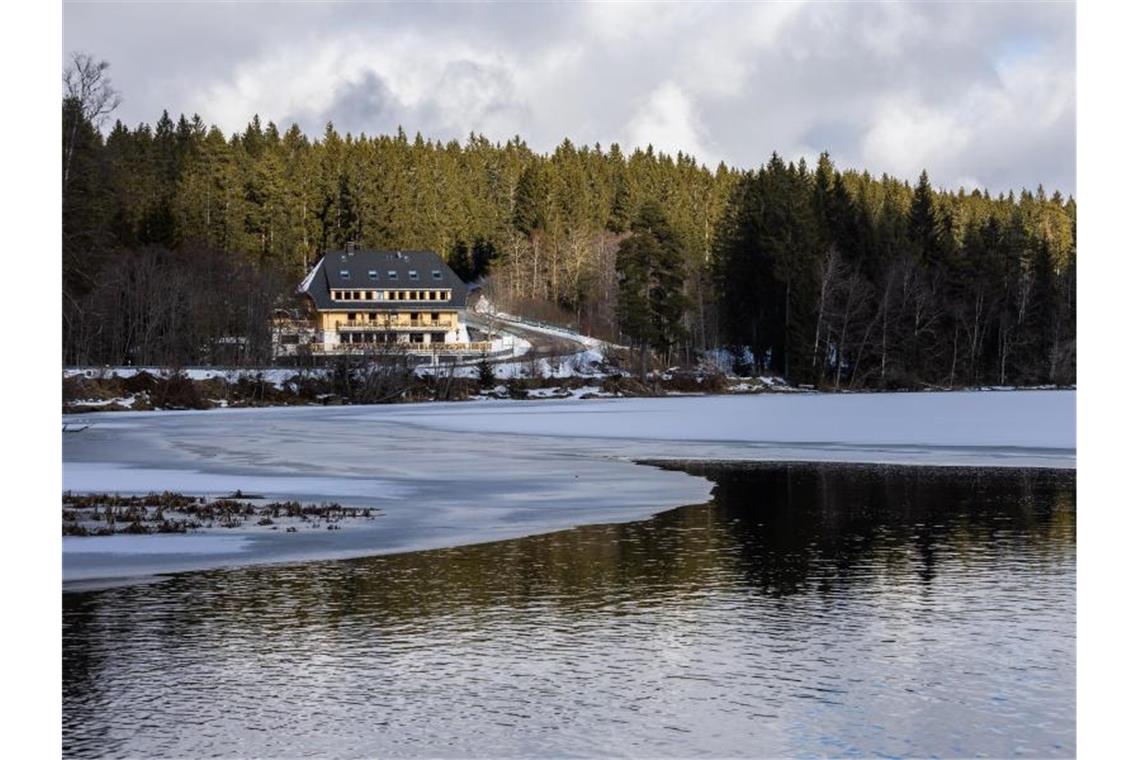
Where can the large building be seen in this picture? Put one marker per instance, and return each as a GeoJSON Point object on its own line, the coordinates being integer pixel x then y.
{"type": "Point", "coordinates": [373, 301]}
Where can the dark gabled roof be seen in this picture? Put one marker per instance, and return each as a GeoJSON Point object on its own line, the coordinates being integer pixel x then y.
{"type": "Point", "coordinates": [393, 269]}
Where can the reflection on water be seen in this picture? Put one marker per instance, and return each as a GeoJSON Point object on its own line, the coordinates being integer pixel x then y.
{"type": "Point", "coordinates": [806, 610]}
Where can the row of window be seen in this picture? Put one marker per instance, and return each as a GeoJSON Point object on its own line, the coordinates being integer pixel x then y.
{"type": "Point", "coordinates": [391, 295]}
{"type": "Point", "coordinates": [414, 316]}
{"type": "Point", "coordinates": [435, 337]}
{"type": "Point", "coordinates": [413, 274]}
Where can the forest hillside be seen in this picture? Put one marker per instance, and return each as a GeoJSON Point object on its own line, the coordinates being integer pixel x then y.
{"type": "Point", "coordinates": [179, 239]}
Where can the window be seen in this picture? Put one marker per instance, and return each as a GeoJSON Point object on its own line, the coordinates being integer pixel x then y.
{"type": "Point", "coordinates": [435, 316]}
{"type": "Point", "coordinates": [392, 274]}
{"type": "Point", "coordinates": [413, 274]}
{"type": "Point", "coordinates": [373, 274]}
{"type": "Point", "coordinates": [344, 274]}
{"type": "Point", "coordinates": [352, 316]}
{"type": "Point", "coordinates": [372, 317]}
{"type": "Point", "coordinates": [436, 274]}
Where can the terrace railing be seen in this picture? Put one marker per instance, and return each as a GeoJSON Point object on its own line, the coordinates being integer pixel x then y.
{"type": "Point", "coordinates": [383, 325]}
{"type": "Point", "coordinates": [475, 347]}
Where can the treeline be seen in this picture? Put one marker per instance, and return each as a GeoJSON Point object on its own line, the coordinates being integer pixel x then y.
{"type": "Point", "coordinates": [842, 280]}
{"type": "Point", "coordinates": [178, 242]}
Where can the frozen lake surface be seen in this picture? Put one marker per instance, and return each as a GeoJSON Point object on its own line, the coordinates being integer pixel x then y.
{"type": "Point", "coordinates": [462, 473]}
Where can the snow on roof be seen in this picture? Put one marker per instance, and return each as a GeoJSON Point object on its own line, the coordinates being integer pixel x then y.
{"type": "Point", "coordinates": [305, 283]}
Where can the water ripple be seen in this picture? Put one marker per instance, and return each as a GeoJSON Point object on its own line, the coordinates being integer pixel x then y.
{"type": "Point", "coordinates": [805, 611]}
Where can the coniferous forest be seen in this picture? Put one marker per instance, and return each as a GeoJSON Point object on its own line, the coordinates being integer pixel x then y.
{"type": "Point", "coordinates": [179, 241]}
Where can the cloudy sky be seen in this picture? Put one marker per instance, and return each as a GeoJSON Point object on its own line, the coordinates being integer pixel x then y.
{"type": "Point", "coordinates": [980, 94]}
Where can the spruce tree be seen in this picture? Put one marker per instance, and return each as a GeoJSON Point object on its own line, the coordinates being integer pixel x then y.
{"type": "Point", "coordinates": [923, 221]}
{"type": "Point", "coordinates": [651, 302]}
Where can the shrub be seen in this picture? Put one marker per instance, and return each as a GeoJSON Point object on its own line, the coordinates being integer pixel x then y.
{"type": "Point", "coordinates": [140, 382]}
{"type": "Point", "coordinates": [486, 372]}
{"type": "Point", "coordinates": [79, 388]}
{"type": "Point", "coordinates": [178, 392]}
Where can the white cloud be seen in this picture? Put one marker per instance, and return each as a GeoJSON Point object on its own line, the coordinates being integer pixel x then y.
{"type": "Point", "coordinates": [719, 60]}
{"type": "Point", "coordinates": [667, 121]}
{"type": "Point", "coordinates": [1022, 116]}
{"type": "Point", "coordinates": [984, 92]}
{"type": "Point", "coordinates": [907, 137]}
{"type": "Point", "coordinates": [625, 20]}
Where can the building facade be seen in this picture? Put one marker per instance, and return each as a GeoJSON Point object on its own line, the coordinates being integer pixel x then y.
{"type": "Point", "coordinates": [377, 301]}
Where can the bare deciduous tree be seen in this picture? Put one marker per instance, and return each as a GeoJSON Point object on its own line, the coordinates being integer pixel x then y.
{"type": "Point", "coordinates": [88, 90]}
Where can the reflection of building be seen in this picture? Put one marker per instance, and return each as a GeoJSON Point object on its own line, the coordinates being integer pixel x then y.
{"type": "Point", "coordinates": [374, 301]}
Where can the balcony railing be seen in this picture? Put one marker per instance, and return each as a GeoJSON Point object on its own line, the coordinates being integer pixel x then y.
{"type": "Point", "coordinates": [382, 325]}
{"type": "Point", "coordinates": [475, 347]}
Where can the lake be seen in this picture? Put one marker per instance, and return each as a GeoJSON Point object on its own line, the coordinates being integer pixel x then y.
{"type": "Point", "coordinates": [448, 474]}
{"type": "Point", "coordinates": [806, 609]}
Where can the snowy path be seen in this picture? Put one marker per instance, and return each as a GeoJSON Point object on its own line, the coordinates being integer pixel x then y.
{"type": "Point", "coordinates": [449, 474]}
{"type": "Point", "coordinates": [566, 349]}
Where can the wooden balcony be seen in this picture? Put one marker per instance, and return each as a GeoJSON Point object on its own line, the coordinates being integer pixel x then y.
{"type": "Point", "coordinates": [381, 325]}
{"type": "Point", "coordinates": [474, 347]}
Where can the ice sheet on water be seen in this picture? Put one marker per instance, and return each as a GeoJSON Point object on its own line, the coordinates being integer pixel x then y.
{"type": "Point", "coordinates": [199, 543]}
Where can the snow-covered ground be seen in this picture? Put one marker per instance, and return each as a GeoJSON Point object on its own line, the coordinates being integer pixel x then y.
{"type": "Point", "coordinates": [935, 425]}
{"type": "Point", "coordinates": [448, 474]}
{"type": "Point", "coordinates": [274, 375]}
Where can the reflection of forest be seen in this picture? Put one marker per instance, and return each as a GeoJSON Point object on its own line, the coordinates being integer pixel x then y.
{"type": "Point", "coordinates": [774, 529]}
{"type": "Point", "coordinates": [782, 553]}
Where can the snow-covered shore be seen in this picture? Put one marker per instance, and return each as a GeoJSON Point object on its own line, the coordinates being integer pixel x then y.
{"type": "Point", "coordinates": [449, 474]}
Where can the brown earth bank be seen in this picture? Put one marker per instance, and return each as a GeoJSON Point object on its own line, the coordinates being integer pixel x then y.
{"type": "Point", "coordinates": [145, 391]}
{"type": "Point", "coordinates": [175, 390]}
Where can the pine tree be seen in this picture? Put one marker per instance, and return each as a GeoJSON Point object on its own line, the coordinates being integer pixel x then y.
{"type": "Point", "coordinates": [923, 221]}
{"type": "Point", "coordinates": [932, 286]}
{"type": "Point", "coordinates": [651, 302]}
{"type": "Point", "coordinates": [529, 212]}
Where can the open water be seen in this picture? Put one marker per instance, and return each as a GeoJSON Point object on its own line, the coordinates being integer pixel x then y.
{"type": "Point", "coordinates": [805, 610]}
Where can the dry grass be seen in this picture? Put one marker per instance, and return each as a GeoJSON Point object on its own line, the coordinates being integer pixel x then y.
{"type": "Point", "coordinates": [105, 514]}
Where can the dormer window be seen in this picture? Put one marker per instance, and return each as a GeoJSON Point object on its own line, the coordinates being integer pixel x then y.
{"type": "Point", "coordinates": [436, 274]}
{"type": "Point", "coordinates": [392, 274]}
{"type": "Point", "coordinates": [373, 274]}
{"type": "Point", "coordinates": [413, 274]}
{"type": "Point", "coordinates": [344, 274]}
